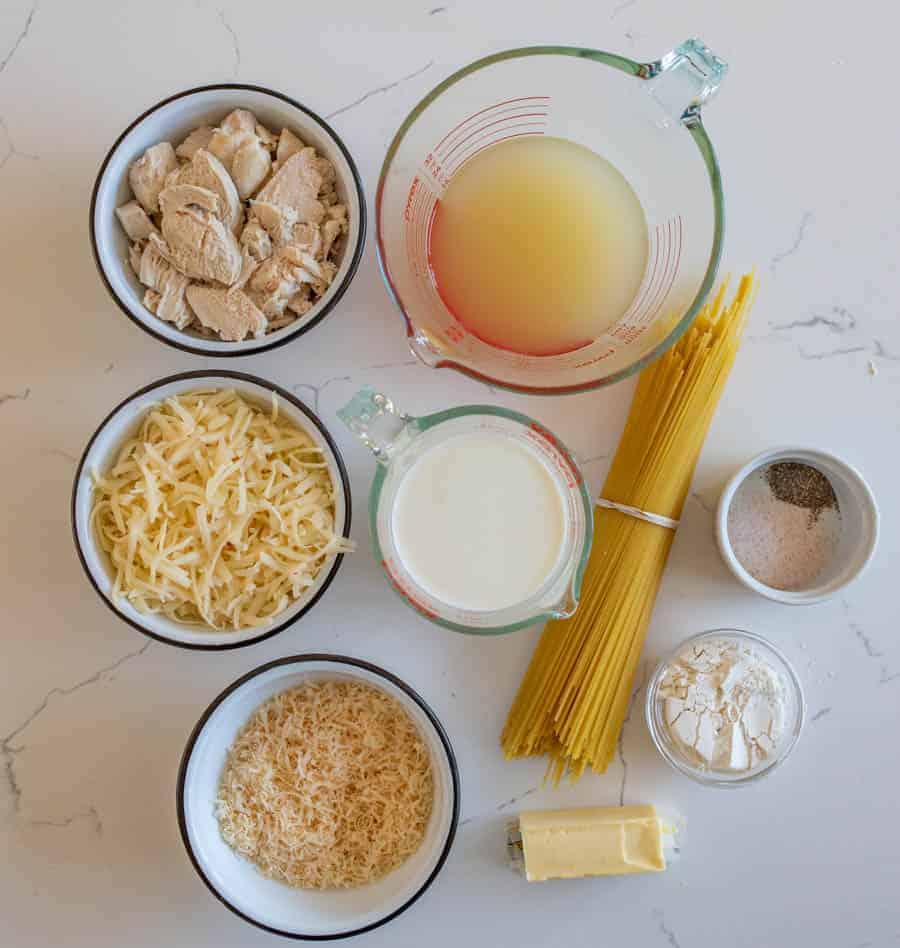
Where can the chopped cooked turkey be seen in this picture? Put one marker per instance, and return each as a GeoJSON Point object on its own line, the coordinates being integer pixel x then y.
{"type": "Point", "coordinates": [250, 167]}
{"type": "Point", "coordinates": [288, 144]}
{"type": "Point", "coordinates": [199, 138]}
{"type": "Point", "coordinates": [206, 171]}
{"type": "Point", "coordinates": [135, 252]}
{"type": "Point", "coordinates": [230, 242]}
{"type": "Point", "coordinates": [301, 303]}
{"type": "Point", "coordinates": [278, 221]}
{"type": "Point", "coordinates": [134, 221]}
{"type": "Point", "coordinates": [280, 277]}
{"type": "Point", "coordinates": [167, 284]}
{"type": "Point", "coordinates": [230, 312]}
{"type": "Point", "coordinates": [237, 128]}
{"type": "Point", "coordinates": [147, 175]}
{"type": "Point", "coordinates": [268, 140]}
{"type": "Point", "coordinates": [176, 197]}
{"type": "Point", "coordinates": [257, 241]}
{"type": "Point", "coordinates": [239, 120]}
{"type": "Point", "coordinates": [201, 246]}
{"type": "Point", "coordinates": [296, 184]}
{"type": "Point", "coordinates": [151, 300]}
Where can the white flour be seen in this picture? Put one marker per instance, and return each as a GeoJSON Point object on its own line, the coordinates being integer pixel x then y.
{"type": "Point", "coordinates": [724, 706]}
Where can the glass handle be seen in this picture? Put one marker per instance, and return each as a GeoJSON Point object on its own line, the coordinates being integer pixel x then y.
{"type": "Point", "coordinates": [684, 80]}
{"type": "Point", "coordinates": [376, 421]}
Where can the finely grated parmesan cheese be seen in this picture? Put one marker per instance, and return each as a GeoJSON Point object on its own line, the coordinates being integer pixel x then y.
{"type": "Point", "coordinates": [216, 513]}
{"type": "Point", "coordinates": [329, 785]}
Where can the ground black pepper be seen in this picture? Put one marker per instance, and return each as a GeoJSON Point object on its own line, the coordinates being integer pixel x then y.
{"type": "Point", "coordinates": [803, 486]}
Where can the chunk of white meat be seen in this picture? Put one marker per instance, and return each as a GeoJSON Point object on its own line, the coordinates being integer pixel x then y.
{"type": "Point", "coordinates": [307, 237]}
{"type": "Point", "coordinates": [301, 303]}
{"type": "Point", "coordinates": [266, 138]}
{"type": "Point", "coordinates": [250, 167]}
{"type": "Point", "coordinates": [206, 171]}
{"type": "Point", "coordinates": [173, 307]}
{"type": "Point", "coordinates": [225, 145]}
{"type": "Point", "coordinates": [255, 239]}
{"type": "Point", "coordinates": [147, 175]}
{"type": "Point", "coordinates": [278, 221]}
{"type": "Point", "coordinates": [231, 313]}
{"type": "Point", "coordinates": [281, 321]}
{"type": "Point", "coordinates": [296, 184]}
{"type": "Point", "coordinates": [167, 285]}
{"type": "Point", "coordinates": [135, 252]}
{"type": "Point", "coordinates": [239, 120]}
{"type": "Point", "coordinates": [134, 221]}
{"type": "Point", "coordinates": [331, 230]}
{"type": "Point", "coordinates": [288, 144]}
{"type": "Point", "coordinates": [151, 300]}
{"type": "Point", "coordinates": [281, 276]}
{"type": "Point", "coordinates": [199, 138]}
{"type": "Point", "coordinates": [201, 246]}
{"type": "Point", "coordinates": [179, 196]}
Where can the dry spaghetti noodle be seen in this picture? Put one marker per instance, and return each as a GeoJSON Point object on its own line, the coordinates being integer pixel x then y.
{"type": "Point", "coordinates": [574, 697]}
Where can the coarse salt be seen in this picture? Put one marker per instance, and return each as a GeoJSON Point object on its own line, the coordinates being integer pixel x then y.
{"type": "Point", "coordinates": [778, 543]}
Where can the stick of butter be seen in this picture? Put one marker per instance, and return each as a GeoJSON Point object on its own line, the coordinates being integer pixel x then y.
{"type": "Point", "coordinates": [590, 841]}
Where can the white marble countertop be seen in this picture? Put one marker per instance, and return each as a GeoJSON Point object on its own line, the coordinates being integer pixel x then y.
{"type": "Point", "coordinates": [93, 718]}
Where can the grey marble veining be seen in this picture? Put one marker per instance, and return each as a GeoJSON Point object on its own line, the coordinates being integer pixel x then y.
{"type": "Point", "coordinates": [93, 718]}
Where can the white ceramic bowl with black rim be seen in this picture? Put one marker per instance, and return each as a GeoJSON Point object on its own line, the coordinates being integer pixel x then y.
{"type": "Point", "coordinates": [101, 451]}
{"type": "Point", "coordinates": [172, 120]}
{"type": "Point", "coordinates": [274, 906]}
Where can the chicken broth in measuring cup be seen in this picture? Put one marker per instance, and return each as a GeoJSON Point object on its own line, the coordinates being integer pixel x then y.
{"type": "Point", "coordinates": [538, 245]}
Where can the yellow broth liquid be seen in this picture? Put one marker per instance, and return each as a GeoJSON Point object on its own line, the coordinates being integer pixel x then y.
{"type": "Point", "coordinates": [538, 245]}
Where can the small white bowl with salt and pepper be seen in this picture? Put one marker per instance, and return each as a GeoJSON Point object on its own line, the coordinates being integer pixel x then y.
{"type": "Point", "coordinates": [725, 708]}
{"type": "Point", "coordinates": [797, 525]}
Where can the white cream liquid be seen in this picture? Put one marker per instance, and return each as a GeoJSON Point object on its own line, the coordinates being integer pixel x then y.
{"type": "Point", "coordinates": [479, 522]}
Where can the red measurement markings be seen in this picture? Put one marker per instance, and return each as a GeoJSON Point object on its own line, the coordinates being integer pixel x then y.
{"type": "Point", "coordinates": [507, 122]}
{"type": "Point", "coordinates": [406, 591]}
{"type": "Point", "coordinates": [497, 105]}
{"type": "Point", "coordinates": [519, 111]}
{"type": "Point", "coordinates": [649, 288]}
{"type": "Point", "coordinates": [673, 229]}
{"type": "Point", "coordinates": [550, 445]}
{"type": "Point", "coordinates": [490, 144]}
{"type": "Point", "coordinates": [491, 138]}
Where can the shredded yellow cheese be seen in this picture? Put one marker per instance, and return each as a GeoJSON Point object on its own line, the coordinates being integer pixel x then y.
{"type": "Point", "coordinates": [216, 513]}
{"type": "Point", "coordinates": [329, 785]}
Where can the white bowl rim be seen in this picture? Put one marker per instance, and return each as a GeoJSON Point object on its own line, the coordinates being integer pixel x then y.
{"type": "Point", "coordinates": [790, 597]}
{"type": "Point", "coordinates": [237, 349]}
{"type": "Point", "coordinates": [224, 374]}
{"type": "Point", "coordinates": [337, 660]}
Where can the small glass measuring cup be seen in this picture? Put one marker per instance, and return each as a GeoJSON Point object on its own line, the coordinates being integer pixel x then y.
{"type": "Point", "coordinates": [398, 440]}
{"type": "Point", "coordinates": [644, 118]}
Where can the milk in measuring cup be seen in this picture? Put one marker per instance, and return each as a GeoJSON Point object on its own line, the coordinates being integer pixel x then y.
{"type": "Point", "coordinates": [479, 521]}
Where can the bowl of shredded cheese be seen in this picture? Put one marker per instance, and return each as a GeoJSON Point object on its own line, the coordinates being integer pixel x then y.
{"type": "Point", "coordinates": [211, 509]}
{"type": "Point", "coordinates": [318, 796]}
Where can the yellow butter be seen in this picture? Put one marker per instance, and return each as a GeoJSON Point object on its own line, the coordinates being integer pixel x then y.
{"type": "Point", "coordinates": [591, 841]}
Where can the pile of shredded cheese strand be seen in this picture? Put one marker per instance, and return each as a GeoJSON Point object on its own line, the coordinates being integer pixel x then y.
{"type": "Point", "coordinates": [216, 513]}
{"type": "Point", "coordinates": [329, 785]}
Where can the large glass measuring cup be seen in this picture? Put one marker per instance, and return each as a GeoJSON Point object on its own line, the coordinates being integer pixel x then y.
{"type": "Point", "coordinates": [644, 118]}
{"type": "Point", "coordinates": [399, 440]}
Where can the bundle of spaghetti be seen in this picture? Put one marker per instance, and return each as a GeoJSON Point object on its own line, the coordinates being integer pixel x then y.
{"type": "Point", "coordinates": [574, 698]}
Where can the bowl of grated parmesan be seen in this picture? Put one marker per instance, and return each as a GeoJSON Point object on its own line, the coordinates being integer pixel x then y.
{"type": "Point", "coordinates": [318, 797]}
{"type": "Point", "coordinates": [211, 510]}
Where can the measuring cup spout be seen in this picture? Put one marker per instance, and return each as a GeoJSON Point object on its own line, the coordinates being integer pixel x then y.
{"type": "Point", "coordinates": [377, 422]}
{"type": "Point", "coordinates": [684, 80]}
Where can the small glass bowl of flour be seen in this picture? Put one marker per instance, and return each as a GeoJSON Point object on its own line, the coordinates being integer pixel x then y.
{"type": "Point", "coordinates": [725, 708]}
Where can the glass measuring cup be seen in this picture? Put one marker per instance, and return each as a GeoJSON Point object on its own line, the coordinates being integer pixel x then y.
{"type": "Point", "coordinates": [398, 440]}
{"type": "Point", "coordinates": [644, 118]}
